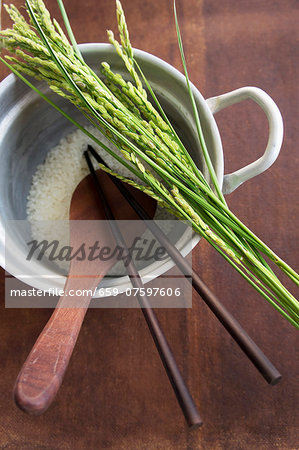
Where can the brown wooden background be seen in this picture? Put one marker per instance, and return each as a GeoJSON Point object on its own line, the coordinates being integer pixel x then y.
{"type": "Point", "coordinates": [115, 394]}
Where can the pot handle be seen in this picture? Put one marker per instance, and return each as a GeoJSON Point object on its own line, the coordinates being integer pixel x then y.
{"type": "Point", "coordinates": [232, 180]}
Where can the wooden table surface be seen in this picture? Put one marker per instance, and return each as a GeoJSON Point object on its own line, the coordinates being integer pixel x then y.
{"type": "Point", "coordinates": [115, 394]}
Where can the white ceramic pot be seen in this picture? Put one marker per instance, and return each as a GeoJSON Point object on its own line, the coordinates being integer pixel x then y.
{"type": "Point", "coordinates": [29, 128]}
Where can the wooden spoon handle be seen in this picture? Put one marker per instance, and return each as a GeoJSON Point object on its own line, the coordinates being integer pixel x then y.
{"type": "Point", "coordinates": [43, 371]}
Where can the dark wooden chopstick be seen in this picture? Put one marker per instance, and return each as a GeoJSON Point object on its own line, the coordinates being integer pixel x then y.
{"type": "Point", "coordinates": [253, 352]}
{"type": "Point", "coordinates": [181, 391]}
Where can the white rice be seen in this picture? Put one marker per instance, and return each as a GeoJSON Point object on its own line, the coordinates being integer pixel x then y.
{"type": "Point", "coordinates": [55, 180]}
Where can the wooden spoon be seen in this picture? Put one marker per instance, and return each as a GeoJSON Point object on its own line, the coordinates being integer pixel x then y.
{"type": "Point", "coordinates": [43, 371]}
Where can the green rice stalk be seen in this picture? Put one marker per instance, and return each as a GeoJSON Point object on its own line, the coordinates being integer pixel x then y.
{"type": "Point", "coordinates": [145, 138]}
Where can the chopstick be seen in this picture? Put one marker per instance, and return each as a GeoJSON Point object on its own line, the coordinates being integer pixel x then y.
{"type": "Point", "coordinates": [181, 391]}
{"type": "Point", "coordinates": [252, 351]}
